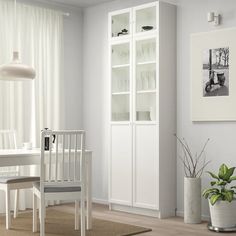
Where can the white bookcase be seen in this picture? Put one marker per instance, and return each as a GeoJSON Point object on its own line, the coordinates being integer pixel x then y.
{"type": "Point", "coordinates": [142, 66]}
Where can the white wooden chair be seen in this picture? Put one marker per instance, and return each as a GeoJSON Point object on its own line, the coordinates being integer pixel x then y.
{"type": "Point", "coordinates": [10, 178]}
{"type": "Point", "coordinates": [62, 175]}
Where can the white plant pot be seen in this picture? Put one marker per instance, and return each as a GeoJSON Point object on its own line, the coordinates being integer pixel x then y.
{"type": "Point", "coordinates": [223, 214]}
{"type": "Point", "coordinates": [192, 200]}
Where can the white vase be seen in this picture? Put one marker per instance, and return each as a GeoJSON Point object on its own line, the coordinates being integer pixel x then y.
{"type": "Point", "coordinates": [223, 214]}
{"type": "Point", "coordinates": [192, 200]}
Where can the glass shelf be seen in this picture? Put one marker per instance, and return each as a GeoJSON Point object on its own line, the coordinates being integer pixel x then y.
{"type": "Point", "coordinates": [120, 66]}
{"type": "Point", "coordinates": [146, 63]}
{"type": "Point", "coordinates": [121, 93]}
{"type": "Point", "coordinates": [146, 91]}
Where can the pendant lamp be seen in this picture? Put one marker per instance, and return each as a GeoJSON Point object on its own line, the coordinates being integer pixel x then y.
{"type": "Point", "coordinates": [16, 70]}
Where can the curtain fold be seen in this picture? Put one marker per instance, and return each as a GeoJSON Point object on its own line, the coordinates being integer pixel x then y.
{"type": "Point", "coordinates": [30, 106]}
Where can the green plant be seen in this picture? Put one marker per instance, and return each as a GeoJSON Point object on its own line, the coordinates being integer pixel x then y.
{"type": "Point", "coordinates": [221, 189]}
{"type": "Point", "coordinates": [193, 164]}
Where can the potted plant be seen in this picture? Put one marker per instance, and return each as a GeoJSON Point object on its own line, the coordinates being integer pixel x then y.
{"type": "Point", "coordinates": [193, 169]}
{"type": "Point", "coordinates": [221, 197]}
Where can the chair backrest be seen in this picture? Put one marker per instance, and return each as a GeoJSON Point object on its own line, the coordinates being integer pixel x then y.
{"type": "Point", "coordinates": [8, 141]}
{"type": "Point", "coordinates": [64, 162]}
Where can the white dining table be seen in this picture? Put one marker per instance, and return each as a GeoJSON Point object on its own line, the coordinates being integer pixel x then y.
{"type": "Point", "coordinates": [23, 157]}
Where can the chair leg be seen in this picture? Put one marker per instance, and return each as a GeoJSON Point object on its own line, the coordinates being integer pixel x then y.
{"type": "Point", "coordinates": [8, 211]}
{"type": "Point", "coordinates": [76, 215]}
{"type": "Point", "coordinates": [35, 216]}
{"type": "Point", "coordinates": [42, 216]}
{"type": "Point", "coordinates": [82, 214]}
{"type": "Point", "coordinates": [88, 213]}
{"type": "Point", "coordinates": [16, 207]}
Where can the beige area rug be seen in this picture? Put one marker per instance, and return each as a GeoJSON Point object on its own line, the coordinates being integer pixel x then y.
{"type": "Point", "coordinates": [60, 223]}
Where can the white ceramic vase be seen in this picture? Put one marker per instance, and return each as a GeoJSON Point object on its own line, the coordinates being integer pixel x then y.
{"type": "Point", "coordinates": [192, 200]}
{"type": "Point", "coordinates": [223, 214]}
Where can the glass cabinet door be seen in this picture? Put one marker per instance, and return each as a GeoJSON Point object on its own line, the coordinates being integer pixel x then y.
{"type": "Point", "coordinates": [120, 81]}
{"type": "Point", "coordinates": [145, 18]}
{"type": "Point", "coordinates": [145, 79]}
{"type": "Point", "coordinates": [120, 24]}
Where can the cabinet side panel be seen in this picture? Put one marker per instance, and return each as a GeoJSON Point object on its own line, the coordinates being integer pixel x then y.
{"type": "Point", "coordinates": [167, 108]}
{"type": "Point", "coordinates": [121, 164]}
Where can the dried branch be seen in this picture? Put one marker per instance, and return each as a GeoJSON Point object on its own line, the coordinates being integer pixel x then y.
{"type": "Point", "coordinates": [192, 164]}
{"type": "Point", "coordinates": [185, 166]}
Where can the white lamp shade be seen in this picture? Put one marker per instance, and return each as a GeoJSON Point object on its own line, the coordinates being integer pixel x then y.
{"type": "Point", "coordinates": [16, 71]}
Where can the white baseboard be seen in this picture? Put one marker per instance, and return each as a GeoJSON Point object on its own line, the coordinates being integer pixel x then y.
{"type": "Point", "coordinates": [100, 201]}
{"type": "Point", "coordinates": [135, 210]}
{"type": "Point", "coordinates": [204, 217]}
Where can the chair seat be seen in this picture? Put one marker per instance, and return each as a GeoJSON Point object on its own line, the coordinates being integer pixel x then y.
{"type": "Point", "coordinates": [57, 189]}
{"type": "Point", "coordinates": [18, 179]}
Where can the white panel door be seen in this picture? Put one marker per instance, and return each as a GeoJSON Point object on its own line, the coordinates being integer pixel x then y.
{"type": "Point", "coordinates": [146, 166]}
{"type": "Point", "coordinates": [121, 164]}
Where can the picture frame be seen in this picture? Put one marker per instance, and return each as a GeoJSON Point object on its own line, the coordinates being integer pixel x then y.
{"type": "Point", "coordinates": [213, 75]}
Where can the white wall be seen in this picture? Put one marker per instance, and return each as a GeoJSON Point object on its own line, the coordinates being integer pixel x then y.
{"type": "Point", "coordinates": [73, 69]}
{"type": "Point", "coordinates": [191, 18]}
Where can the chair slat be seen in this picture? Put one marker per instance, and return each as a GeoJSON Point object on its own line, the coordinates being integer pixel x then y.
{"type": "Point", "coordinates": [8, 141]}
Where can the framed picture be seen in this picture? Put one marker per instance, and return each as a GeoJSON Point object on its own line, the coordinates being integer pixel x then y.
{"type": "Point", "coordinates": [213, 75]}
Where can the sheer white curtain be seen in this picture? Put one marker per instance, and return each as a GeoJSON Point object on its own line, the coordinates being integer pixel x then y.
{"type": "Point", "coordinates": [30, 106]}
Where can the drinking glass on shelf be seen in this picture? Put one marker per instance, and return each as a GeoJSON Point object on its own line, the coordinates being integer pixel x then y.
{"type": "Point", "coordinates": [138, 83]}
{"type": "Point", "coordinates": [114, 85]}
{"type": "Point", "coordinates": [148, 51]}
{"type": "Point", "coordinates": [143, 53]}
{"type": "Point", "coordinates": [119, 85]}
{"type": "Point", "coordinates": [151, 80]}
{"type": "Point", "coordinates": [138, 54]}
{"type": "Point", "coordinates": [122, 57]}
{"type": "Point", "coordinates": [153, 49]}
{"type": "Point", "coordinates": [142, 78]}
{"type": "Point", "coordinates": [148, 76]}
{"type": "Point", "coordinates": [126, 84]}
{"type": "Point", "coordinates": [145, 82]}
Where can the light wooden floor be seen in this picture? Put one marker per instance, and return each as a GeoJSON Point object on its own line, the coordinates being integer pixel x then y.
{"type": "Point", "coordinates": [168, 227]}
